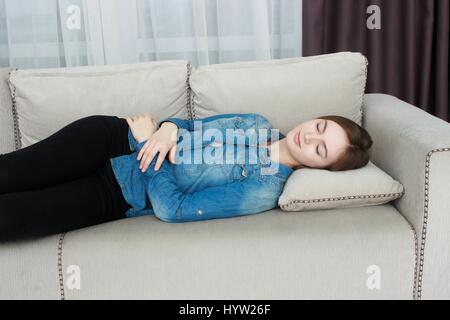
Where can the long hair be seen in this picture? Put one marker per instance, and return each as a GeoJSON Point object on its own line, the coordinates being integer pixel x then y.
{"type": "Point", "coordinates": [356, 154]}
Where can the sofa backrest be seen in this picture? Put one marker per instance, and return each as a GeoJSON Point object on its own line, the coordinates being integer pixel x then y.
{"type": "Point", "coordinates": [286, 91]}
{"type": "Point", "coordinates": [48, 99]}
{"type": "Point", "coordinates": [6, 117]}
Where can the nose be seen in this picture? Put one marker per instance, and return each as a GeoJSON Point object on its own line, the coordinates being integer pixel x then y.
{"type": "Point", "coordinates": [311, 137]}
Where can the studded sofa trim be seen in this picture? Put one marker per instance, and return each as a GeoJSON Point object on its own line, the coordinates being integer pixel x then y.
{"type": "Point", "coordinates": [419, 268]}
{"type": "Point", "coordinates": [17, 134]}
{"type": "Point", "coordinates": [369, 196]}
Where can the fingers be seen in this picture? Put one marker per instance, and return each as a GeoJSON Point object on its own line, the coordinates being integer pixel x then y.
{"type": "Point", "coordinates": [129, 121]}
{"type": "Point", "coordinates": [150, 154]}
{"type": "Point", "coordinates": [148, 157]}
{"type": "Point", "coordinates": [134, 118]}
{"type": "Point", "coordinates": [137, 117]}
{"type": "Point", "coordinates": [145, 156]}
{"type": "Point", "coordinates": [172, 154]}
{"type": "Point", "coordinates": [143, 149]}
{"type": "Point", "coordinates": [159, 161]}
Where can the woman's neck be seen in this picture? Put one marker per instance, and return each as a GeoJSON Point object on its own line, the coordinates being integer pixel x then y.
{"type": "Point", "coordinates": [279, 152]}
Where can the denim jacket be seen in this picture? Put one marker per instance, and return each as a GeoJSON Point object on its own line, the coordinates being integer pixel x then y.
{"type": "Point", "coordinates": [198, 186]}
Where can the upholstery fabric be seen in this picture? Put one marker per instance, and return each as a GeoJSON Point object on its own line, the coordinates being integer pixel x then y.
{"type": "Point", "coordinates": [48, 99]}
{"type": "Point", "coordinates": [325, 254]}
{"type": "Point", "coordinates": [414, 147]}
{"type": "Point", "coordinates": [310, 189]}
{"type": "Point", "coordinates": [29, 269]}
{"type": "Point", "coordinates": [286, 91]}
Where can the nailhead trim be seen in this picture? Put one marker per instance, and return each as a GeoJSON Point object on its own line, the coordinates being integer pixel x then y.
{"type": "Point", "coordinates": [370, 196]}
{"type": "Point", "coordinates": [191, 104]}
{"type": "Point", "coordinates": [189, 91]}
{"type": "Point", "coordinates": [194, 115]}
{"type": "Point", "coordinates": [17, 134]}
{"type": "Point", "coordinates": [425, 219]}
{"type": "Point", "coordinates": [60, 266]}
{"type": "Point", "coordinates": [416, 260]}
{"type": "Point", "coordinates": [365, 67]}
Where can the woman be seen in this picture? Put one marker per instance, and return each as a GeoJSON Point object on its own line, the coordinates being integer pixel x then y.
{"type": "Point", "coordinates": [103, 168]}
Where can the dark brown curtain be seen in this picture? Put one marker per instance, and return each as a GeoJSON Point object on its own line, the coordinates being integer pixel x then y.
{"type": "Point", "coordinates": [409, 55]}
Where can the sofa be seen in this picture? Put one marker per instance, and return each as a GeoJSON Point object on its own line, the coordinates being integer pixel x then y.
{"type": "Point", "coordinates": [321, 254]}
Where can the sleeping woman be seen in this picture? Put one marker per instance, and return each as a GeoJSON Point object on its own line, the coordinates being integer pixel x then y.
{"type": "Point", "coordinates": [104, 168]}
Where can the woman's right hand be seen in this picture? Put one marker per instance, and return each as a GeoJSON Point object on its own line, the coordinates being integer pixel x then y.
{"type": "Point", "coordinates": [163, 141]}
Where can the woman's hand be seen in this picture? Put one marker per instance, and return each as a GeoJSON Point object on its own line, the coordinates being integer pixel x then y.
{"type": "Point", "coordinates": [142, 127]}
{"type": "Point", "coordinates": [163, 141]}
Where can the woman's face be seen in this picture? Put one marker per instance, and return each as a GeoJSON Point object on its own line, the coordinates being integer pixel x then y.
{"type": "Point", "coordinates": [317, 143]}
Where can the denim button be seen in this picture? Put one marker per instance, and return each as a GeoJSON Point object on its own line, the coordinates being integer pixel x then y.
{"type": "Point", "coordinates": [199, 211]}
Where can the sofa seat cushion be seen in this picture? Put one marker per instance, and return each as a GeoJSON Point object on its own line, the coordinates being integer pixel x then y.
{"type": "Point", "coordinates": [327, 254]}
{"type": "Point", "coordinates": [29, 269]}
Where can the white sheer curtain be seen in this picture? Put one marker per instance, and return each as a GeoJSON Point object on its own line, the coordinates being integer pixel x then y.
{"type": "Point", "coordinates": [59, 33]}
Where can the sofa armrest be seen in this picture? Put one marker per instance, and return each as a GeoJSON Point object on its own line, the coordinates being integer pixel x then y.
{"type": "Point", "coordinates": [414, 148]}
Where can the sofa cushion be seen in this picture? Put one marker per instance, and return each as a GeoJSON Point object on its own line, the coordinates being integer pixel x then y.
{"type": "Point", "coordinates": [312, 189]}
{"type": "Point", "coordinates": [6, 118]}
{"type": "Point", "coordinates": [29, 269]}
{"type": "Point", "coordinates": [286, 91]}
{"type": "Point", "coordinates": [48, 99]}
{"type": "Point", "coordinates": [327, 254]}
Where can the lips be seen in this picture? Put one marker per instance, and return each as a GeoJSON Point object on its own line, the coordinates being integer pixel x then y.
{"type": "Point", "coordinates": [297, 139]}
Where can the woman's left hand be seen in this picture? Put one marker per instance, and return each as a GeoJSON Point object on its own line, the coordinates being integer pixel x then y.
{"type": "Point", "coordinates": [142, 127]}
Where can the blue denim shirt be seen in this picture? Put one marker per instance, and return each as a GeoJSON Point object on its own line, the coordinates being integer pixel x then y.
{"type": "Point", "coordinates": [198, 186]}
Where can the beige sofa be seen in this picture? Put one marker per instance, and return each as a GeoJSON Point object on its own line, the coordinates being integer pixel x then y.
{"type": "Point", "coordinates": [325, 254]}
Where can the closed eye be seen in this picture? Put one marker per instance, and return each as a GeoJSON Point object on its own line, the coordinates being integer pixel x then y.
{"type": "Point", "coordinates": [317, 151]}
{"type": "Point", "coordinates": [324, 145]}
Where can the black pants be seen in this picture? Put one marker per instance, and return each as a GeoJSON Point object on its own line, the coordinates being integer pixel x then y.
{"type": "Point", "coordinates": [65, 181]}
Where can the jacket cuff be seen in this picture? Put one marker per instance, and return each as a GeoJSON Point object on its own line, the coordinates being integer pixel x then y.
{"type": "Point", "coordinates": [131, 140]}
{"type": "Point", "coordinates": [180, 123]}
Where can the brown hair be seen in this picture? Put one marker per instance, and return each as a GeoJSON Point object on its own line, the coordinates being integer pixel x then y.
{"type": "Point", "coordinates": [357, 153]}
